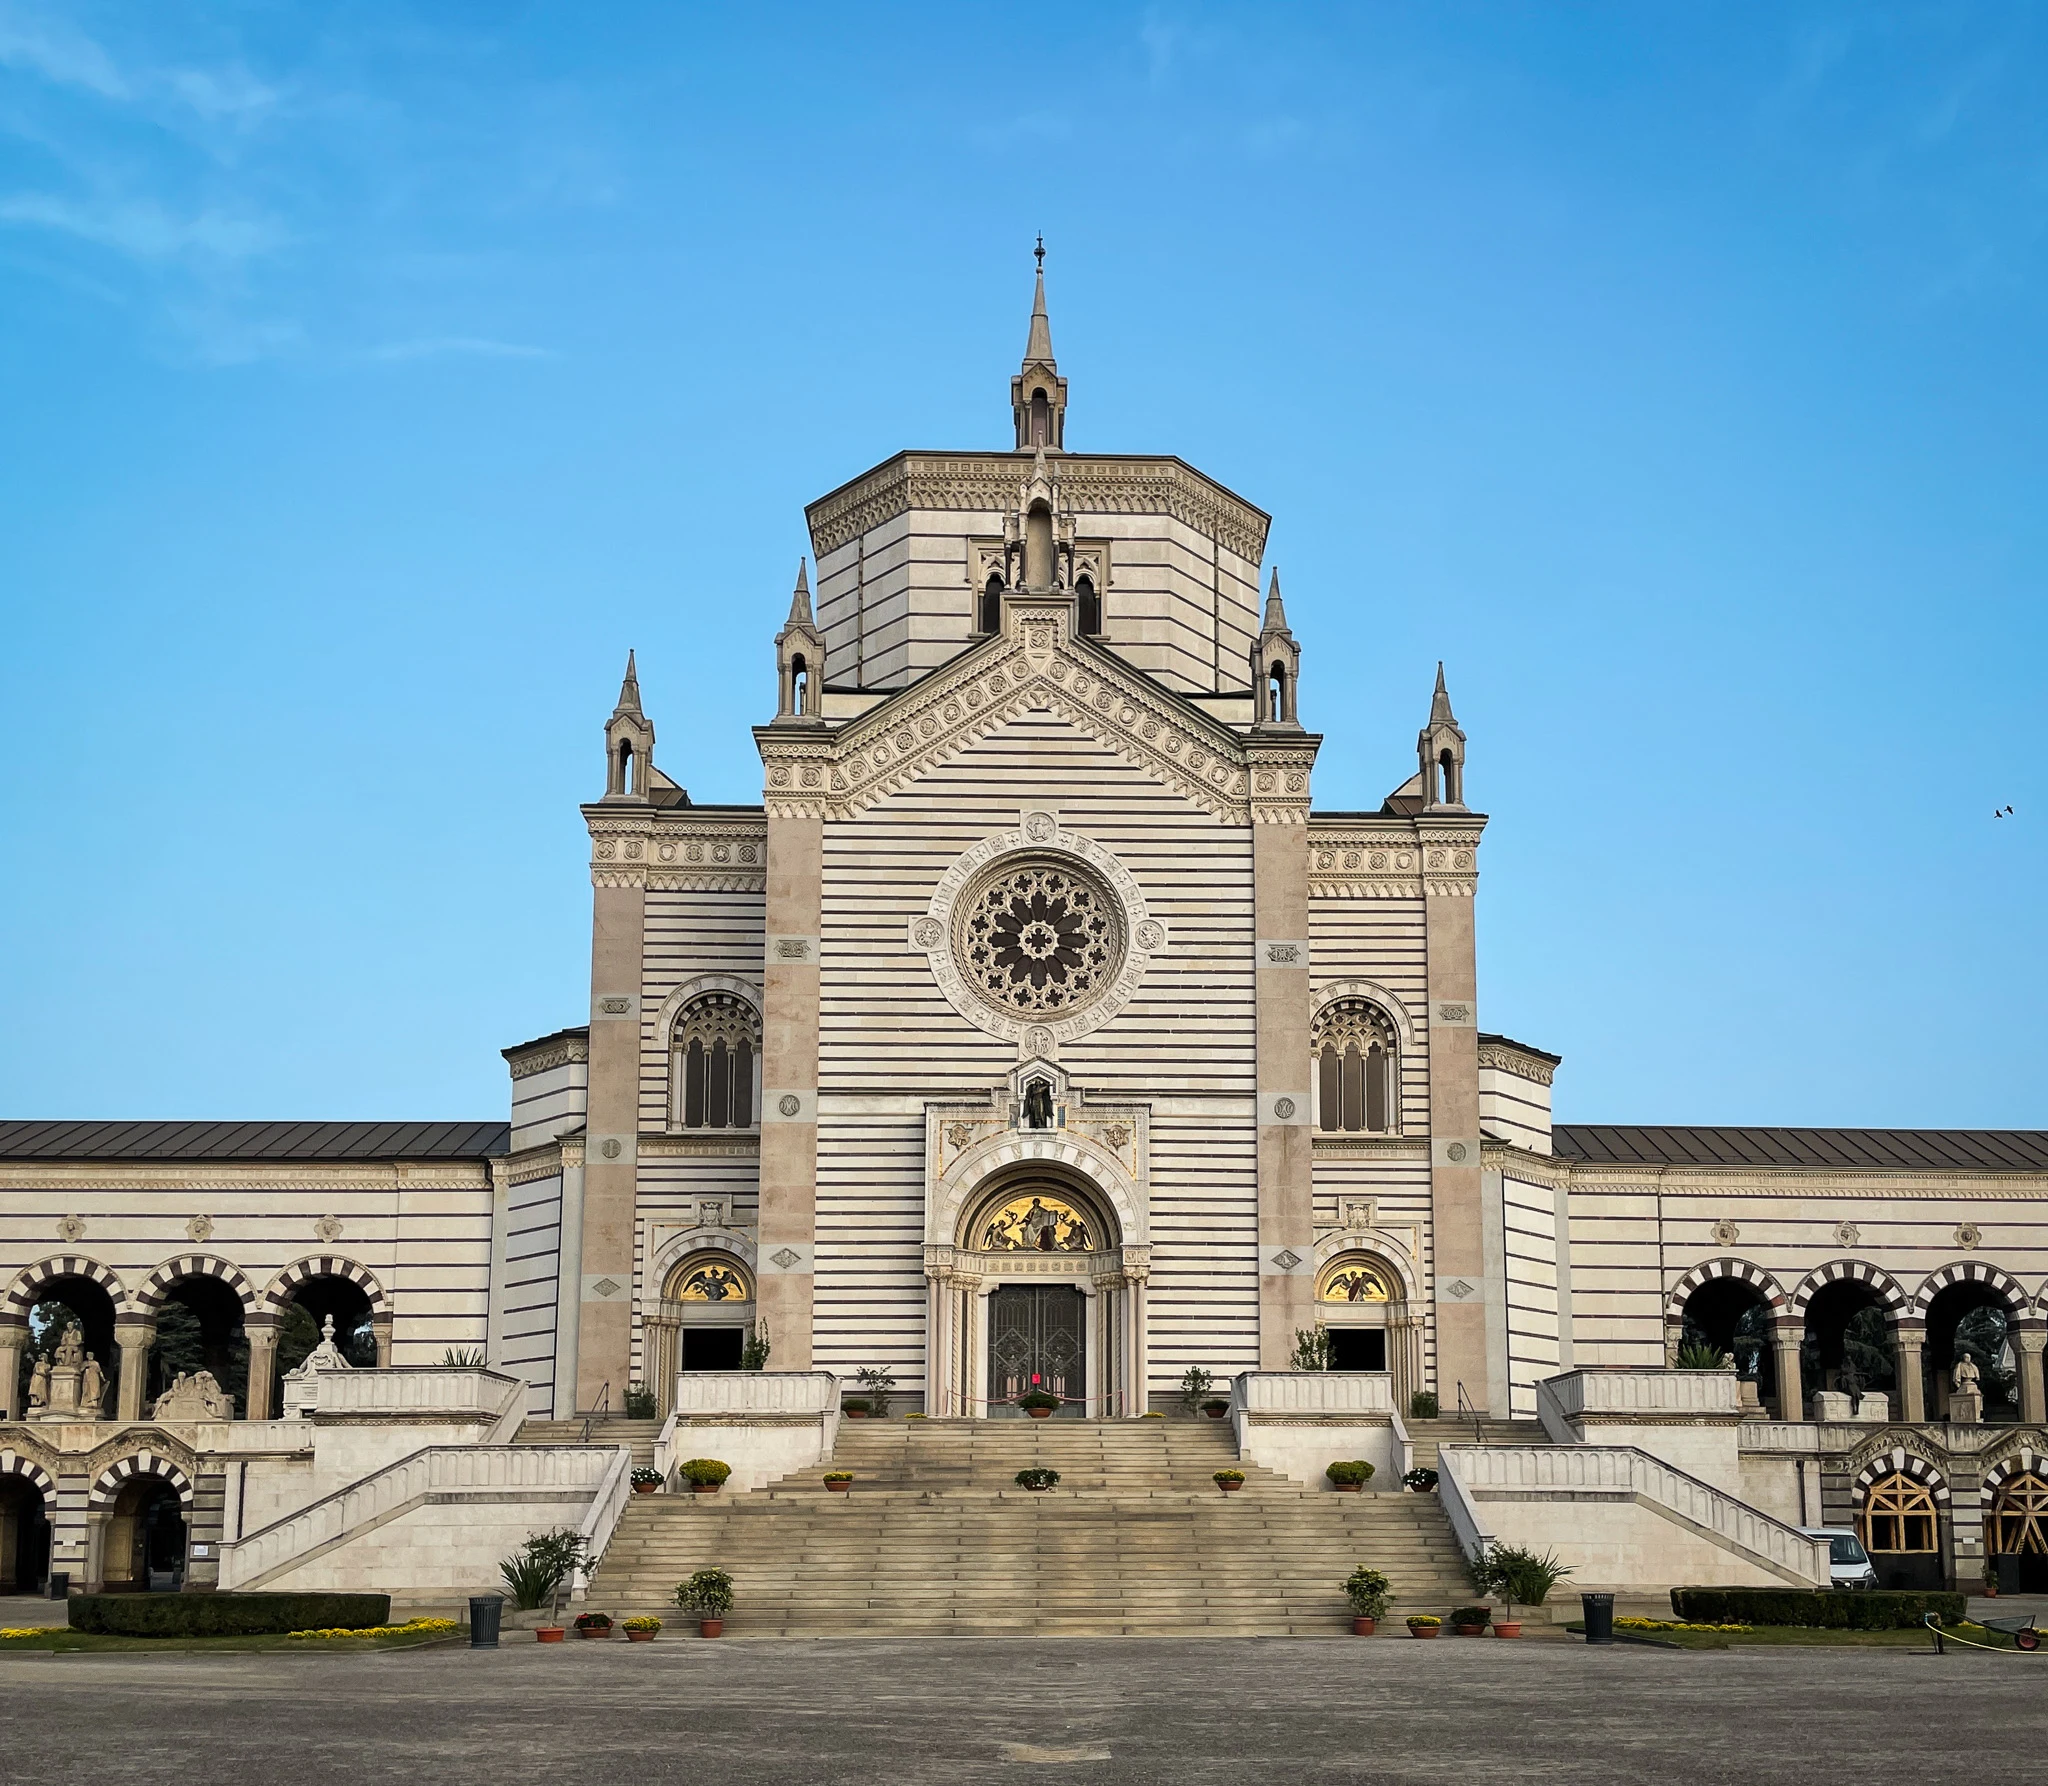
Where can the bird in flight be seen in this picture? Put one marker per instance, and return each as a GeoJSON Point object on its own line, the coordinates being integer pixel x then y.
{"type": "Point", "coordinates": [2001, 812]}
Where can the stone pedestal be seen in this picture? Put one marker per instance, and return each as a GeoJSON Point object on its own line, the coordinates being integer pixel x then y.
{"type": "Point", "coordinates": [1874, 1407]}
{"type": "Point", "coordinates": [1832, 1404]}
{"type": "Point", "coordinates": [1966, 1409]}
{"type": "Point", "coordinates": [63, 1399]}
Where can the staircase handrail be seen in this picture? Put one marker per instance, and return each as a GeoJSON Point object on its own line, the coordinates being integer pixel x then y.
{"type": "Point", "coordinates": [602, 1520]}
{"type": "Point", "coordinates": [1466, 1407]}
{"type": "Point", "coordinates": [510, 1415]}
{"type": "Point", "coordinates": [597, 1409]}
{"type": "Point", "coordinates": [1783, 1549]}
{"type": "Point", "coordinates": [665, 1446]}
{"type": "Point", "coordinates": [1459, 1508]}
{"type": "Point", "coordinates": [371, 1498]}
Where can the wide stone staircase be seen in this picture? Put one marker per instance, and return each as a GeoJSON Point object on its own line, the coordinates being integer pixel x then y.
{"type": "Point", "coordinates": [935, 1536]}
{"type": "Point", "coordinates": [1427, 1435]}
{"type": "Point", "coordinates": [604, 1429]}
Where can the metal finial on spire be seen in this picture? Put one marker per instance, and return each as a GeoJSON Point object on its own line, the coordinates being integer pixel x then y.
{"type": "Point", "coordinates": [1040, 251]}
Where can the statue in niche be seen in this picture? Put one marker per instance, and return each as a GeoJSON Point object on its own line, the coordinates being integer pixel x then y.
{"type": "Point", "coordinates": [71, 1349]}
{"type": "Point", "coordinates": [1963, 1380]}
{"type": "Point", "coordinates": [1849, 1380]}
{"type": "Point", "coordinates": [92, 1388]}
{"type": "Point", "coordinates": [1041, 1226]}
{"type": "Point", "coordinates": [39, 1384]}
{"type": "Point", "coordinates": [1038, 1105]}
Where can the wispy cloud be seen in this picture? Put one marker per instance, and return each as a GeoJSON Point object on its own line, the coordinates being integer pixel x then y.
{"type": "Point", "coordinates": [442, 346]}
{"type": "Point", "coordinates": [58, 51]}
{"type": "Point", "coordinates": [145, 229]}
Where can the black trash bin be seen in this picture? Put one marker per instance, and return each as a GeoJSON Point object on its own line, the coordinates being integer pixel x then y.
{"type": "Point", "coordinates": [60, 1584]}
{"type": "Point", "coordinates": [484, 1611]}
{"type": "Point", "coordinates": [1599, 1610]}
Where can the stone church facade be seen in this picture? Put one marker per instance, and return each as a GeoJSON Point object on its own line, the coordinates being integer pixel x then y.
{"type": "Point", "coordinates": [1038, 1030]}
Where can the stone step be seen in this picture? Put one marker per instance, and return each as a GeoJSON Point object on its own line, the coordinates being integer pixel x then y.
{"type": "Point", "coordinates": [604, 1429]}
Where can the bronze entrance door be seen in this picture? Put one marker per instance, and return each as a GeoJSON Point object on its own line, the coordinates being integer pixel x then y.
{"type": "Point", "coordinates": [1037, 1339]}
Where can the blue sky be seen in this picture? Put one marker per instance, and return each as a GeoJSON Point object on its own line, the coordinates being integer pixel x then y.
{"type": "Point", "coordinates": [371, 376]}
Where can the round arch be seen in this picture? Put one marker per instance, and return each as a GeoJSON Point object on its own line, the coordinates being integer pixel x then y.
{"type": "Point", "coordinates": [26, 1469]}
{"type": "Point", "coordinates": [209, 1266]}
{"type": "Point", "coordinates": [25, 1291]}
{"type": "Point", "coordinates": [107, 1485]}
{"type": "Point", "coordinates": [1058, 1152]}
{"type": "Point", "coordinates": [300, 1271]}
{"type": "Point", "coordinates": [1879, 1282]}
{"type": "Point", "coordinates": [1978, 1273]}
{"type": "Point", "coordinates": [2024, 1462]}
{"type": "Point", "coordinates": [726, 1274]}
{"type": "Point", "coordinates": [1076, 1207]}
{"type": "Point", "coordinates": [1374, 993]}
{"type": "Point", "coordinates": [672, 1007]}
{"type": "Point", "coordinates": [678, 1247]}
{"type": "Point", "coordinates": [1380, 1248]}
{"type": "Point", "coordinates": [1712, 1270]}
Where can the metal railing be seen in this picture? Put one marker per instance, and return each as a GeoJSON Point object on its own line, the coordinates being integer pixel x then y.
{"type": "Point", "coordinates": [1466, 1408]}
{"type": "Point", "coordinates": [598, 1410]}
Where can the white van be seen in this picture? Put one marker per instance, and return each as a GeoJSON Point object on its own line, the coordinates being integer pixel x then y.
{"type": "Point", "coordinates": [1848, 1562]}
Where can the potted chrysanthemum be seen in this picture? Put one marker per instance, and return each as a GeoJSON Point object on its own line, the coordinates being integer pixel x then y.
{"type": "Point", "coordinates": [705, 1475]}
{"type": "Point", "coordinates": [642, 1628]}
{"type": "Point", "coordinates": [839, 1482]}
{"type": "Point", "coordinates": [1230, 1481]}
{"type": "Point", "coordinates": [1349, 1477]}
{"type": "Point", "coordinates": [1422, 1624]}
{"type": "Point", "coordinates": [593, 1624]}
{"type": "Point", "coordinates": [1040, 1404]}
{"type": "Point", "coordinates": [646, 1481]}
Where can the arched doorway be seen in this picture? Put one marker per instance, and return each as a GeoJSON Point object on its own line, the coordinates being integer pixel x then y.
{"type": "Point", "coordinates": [199, 1327]}
{"type": "Point", "coordinates": [24, 1532]}
{"type": "Point", "coordinates": [1849, 1345]}
{"type": "Point", "coordinates": [1971, 1319]}
{"type": "Point", "coordinates": [704, 1321]}
{"type": "Point", "coordinates": [306, 1298]}
{"type": "Point", "coordinates": [1732, 1316]}
{"type": "Point", "coordinates": [1900, 1522]}
{"type": "Point", "coordinates": [1038, 1241]}
{"type": "Point", "coordinates": [143, 1551]}
{"type": "Point", "coordinates": [60, 1305]}
{"type": "Point", "coordinates": [1362, 1308]}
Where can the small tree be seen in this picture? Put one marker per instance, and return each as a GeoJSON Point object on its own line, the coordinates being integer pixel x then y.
{"type": "Point", "coordinates": [754, 1354]}
{"type": "Point", "coordinates": [1515, 1572]}
{"type": "Point", "coordinates": [1311, 1349]}
{"type": "Point", "coordinates": [708, 1594]}
{"type": "Point", "coordinates": [1193, 1387]}
{"type": "Point", "coordinates": [877, 1380]}
{"type": "Point", "coordinates": [1369, 1592]}
{"type": "Point", "coordinates": [535, 1573]}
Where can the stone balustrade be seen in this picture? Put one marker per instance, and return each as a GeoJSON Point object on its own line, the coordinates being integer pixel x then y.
{"type": "Point", "coordinates": [1624, 1394]}
{"type": "Point", "coordinates": [399, 1391]}
{"type": "Point", "coordinates": [756, 1392]}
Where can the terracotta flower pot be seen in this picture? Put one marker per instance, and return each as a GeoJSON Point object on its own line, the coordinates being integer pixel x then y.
{"type": "Point", "coordinates": [1507, 1627]}
{"type": "Point", "coordinates": [1348, 1488]}
{"type": "Point", "coordinates": [645, 1488]}
{"type": "Point", "coordinates": [1039, 1413]}
{"type": "Point", "coordinates": [1215, 1413]}
{"type": "Point", "coordinates": [706, 1488]}
{"type": "Point", "coordinates": [838, 1488]}
{"type": "Point", "coordinates": [1424, 1630]}
{"type": "Point", "coordinates": [1230, 1488]}
{"type": "Point", "coordinates": [642, 1636]}
{"type": "Point", "coordinates": [1361, 1626]}
{"type": "Point", "coordinates": [855, 1413]}
{"type": "Point", "coordinates": [1037, 1488]}
{"type": "Point", "coordinates": [1471, 1630]}
{"type": "Point", "coordinates": [710, 1627]}
{"type": "Point", "coordinates": [549, 1633]}
{"type": "Point", "coordinates": [593, 1630]}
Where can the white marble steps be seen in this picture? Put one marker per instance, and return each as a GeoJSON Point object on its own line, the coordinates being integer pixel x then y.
{"type": "Point", "coordinates": [1427, 1435]}
{"type": "Point", "coordinates": [606, 1429]}
{"type": "Point", "coordinates": [936, 1537]}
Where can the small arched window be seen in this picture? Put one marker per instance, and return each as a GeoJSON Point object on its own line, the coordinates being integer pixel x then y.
{"type": "Point", "coordinates": [626, 767]}
{"type": "Point", "coordinates": [799, 680]}
{"type": "Point", "coordinates": [1041, 419]}
{"type": "Point", "coordinates": [714, 1052]}
{"type": "Point", "coordinates": [1357, 1069]}
{"type": "Point", "coordinates": [1276, 693]}
{"type": "Point", "coordinates": [992, 605]}
{"type": "Point", "coordinates": [1090, 617]}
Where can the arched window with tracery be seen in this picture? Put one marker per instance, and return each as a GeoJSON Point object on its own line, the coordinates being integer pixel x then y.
{"type": "Point", "coordinates": [714, 1053]}
{"type": "Point", "coordinates": [1357, 1062]}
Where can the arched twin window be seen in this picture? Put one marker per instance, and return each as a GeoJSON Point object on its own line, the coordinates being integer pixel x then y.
{"type": "Point", "coordinates": [1357, 1076]}
{"type": "Point", "coordinates": [714, 1051]}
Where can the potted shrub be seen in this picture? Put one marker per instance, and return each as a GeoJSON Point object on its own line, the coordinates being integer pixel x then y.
{"type": "Point", "coordinates": [1230, 1481]}
{"type": "Point", "coordinates": [1419, 1481]}
{"type": "Point", "coordinates": [593, 1624]}
{"type": "Point", "coordinates": [877, 1382]}
{"type": "Point", "coordinates": [535, 1573]}
{"type": "Point", "coordinates": [1420, 1624]}
{"type": "Point", "coordinates": [708, 1594]}
{"type": "Point", "coordinates": [1370, 1594]}
{"type": "Point", "coordinates": [1470, 1621]}
{"type": "Point", "coordinates": [1215, 1409]}
{"type": "Point", "coordinates": [1516, 1573]}
{"type": "Point", "coordinates": [1422, 1405]}
{"type": "Point", "coordinates": [855, 1407]}
{"type": "Point", "coordinates": [839, 1481]}
{"type": "Point", "coordinates": [646, 1481]}
{"type": "Point", "coordinates": [705, 1475]}
{"type": "Point", "coordinates": [1349, 1478]}
{"type": "Point", "coordinates": [640, 1403]}
{"type": "Point", "coordinates": [1194, 1388]}
{"type": "Point", "coordinates": [1040, 1404]}
{"type": "Point", "coordinates": [642, 1628]}
{"type": "Point", "coordinates": [1037, 1480]}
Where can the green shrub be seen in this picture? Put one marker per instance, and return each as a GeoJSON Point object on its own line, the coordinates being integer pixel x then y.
{"type": "Point", "coordinates": [1831, 1609]}
{"type": "Point", "coordinates": [1698, 1355]}
{"type": "Point", "coordinates": [1421, 1478]}
{"type": "Point", "coordinates": [703, 1470]}
{"type": "Point", "coordinates": [644, 1477]}
{"type": "Point", "coordinates": [1038, 1478]}
{"type": "Point", "coordinates": [1311, 1349]}
{"type": "Point", "coordinates": [855, 1404]}
{"type": "Point", "coordinates": [1369, 1592]}
{"type": "Point", "coordinates": [534, 1575]}
{"type": "Point", "coordinates": [1038, 1398]}
{"type": "Point", "coordinates": [226, 1615]}
{"type": "Point", "coordinates": [1354, 1470]}
{"type": "Point", "coordinates": [1517, 1573]}
{"type": "Point", "coordinates": [640, 1402]}
{"type": "Point", "coordinates": [1422, 1405]}
{"type": "Point", "coordinates": [708, 1594]}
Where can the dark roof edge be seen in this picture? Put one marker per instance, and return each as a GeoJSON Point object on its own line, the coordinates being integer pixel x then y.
{"type": "Point", "coordinates": [1501, 1041]}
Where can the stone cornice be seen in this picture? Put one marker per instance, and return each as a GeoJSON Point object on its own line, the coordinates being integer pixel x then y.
{"type": "Point", "coordinates": [566, 1052]}
{"type": "Point", "coordinates": [1890, 1184]}
{"type": "Point", "coordinates": [731, 1144]}
{"type": "Point", "coordinates": [84, 1177]}
{"type": "Point", "coordinates": [1091, 485]}
{"type": "Point", "coordinates": [677, 848]}
{"type": "Point", "coordinates": [1510, 1059]}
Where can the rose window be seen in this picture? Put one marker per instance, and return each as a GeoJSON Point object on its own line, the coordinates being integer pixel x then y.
{"type": "Point", "coordinates": [1042, 938]}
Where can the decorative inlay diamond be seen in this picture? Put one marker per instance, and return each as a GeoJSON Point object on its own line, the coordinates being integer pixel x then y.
{"type": "Point", "coordinates": [786, 1257]}
{"type": "Point", "coordinates": [1287, 1258]}
{"type": "Point", "coordinates": [607, 1286]}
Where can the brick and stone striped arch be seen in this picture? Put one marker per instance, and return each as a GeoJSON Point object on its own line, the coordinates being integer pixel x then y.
{"type": "Point", "coordinates": [117, 1475]}
{"type": "Point", "coordinates": [28, 1286]}
{"type": "Point", "coordinates": [12, 1463]}
{"type": "Point", "coordinates": [1852, 1271]}
{"type": "Point", "coordinates": [1740, 1269]}
{"type": "Point", "coordinates": [1900, 1462]}
{"type": "Point", "coordinates": [1974, 1271]}
{"type": "Point", "coordinates": [319, 1265]}
{"type": "Point", "coordinates": [173, 1272]}
{"type": "Point", "coordinates": [2024, 1462]}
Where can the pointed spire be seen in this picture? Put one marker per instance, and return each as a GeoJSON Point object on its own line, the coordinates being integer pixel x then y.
{"type": "Point", "coordinates": [629, 690]}
{"type": "Point", "coordinates": [1440, 713]}
{"type": "Point", "coordinates": [800, 600]}
{"type": "Point", "coordinates": [1039, 347]}
{"type": "Point", "coordinates": [1276, 615]}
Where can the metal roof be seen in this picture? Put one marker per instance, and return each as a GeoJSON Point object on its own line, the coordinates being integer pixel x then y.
{"type": "Point", "coordinates": [252, 1140]}
{"type": "Point", "coordinates": [1850, 1150]}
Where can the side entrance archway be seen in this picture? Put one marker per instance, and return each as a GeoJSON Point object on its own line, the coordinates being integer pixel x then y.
{"type": "Point", "coordinates": [138, 1515]}
{"type": "Point", "coordinates": [26, 1492]}
{"type": "Point", "coordinates": [1901, 1513]}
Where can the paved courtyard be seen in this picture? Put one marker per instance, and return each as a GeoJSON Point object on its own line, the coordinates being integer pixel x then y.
{"type": "Point", "coordinates": [742, 1713]}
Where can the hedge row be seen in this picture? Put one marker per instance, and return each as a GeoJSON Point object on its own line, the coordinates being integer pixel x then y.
{"type": "Point", "coordinates": [225, 1615]}
{"type": "Point", "coordinates": [1835, 1609]}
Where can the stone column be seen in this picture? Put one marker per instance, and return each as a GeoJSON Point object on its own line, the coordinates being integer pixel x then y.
{"type": "Point", "coordinates": [262, 1332]}
{"type": "Point", "coordinates": [1462, 1289]}
{"type": "Point", "coordinates": [1909, 1341]}
{"type": "Point", "coordinates": [789, 1070]}
{"type": "Point", "coordinates": [938, 1296]}
{"type": "Point", "coordinates": [1279, 767]}
{"type": "Point", "coordinates": [1137, 1394]}
{"type": "Point", "coordinates": [1785, 1337]}
{"type": "Point", "coordinates": [13, 1342]}
{"type": "Point", "coordinates": [132, 1340]}
{"type": "Point", "coordinates": [604, 1327]}
{"type": "Point", "coordinates": [2027, 1343]}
